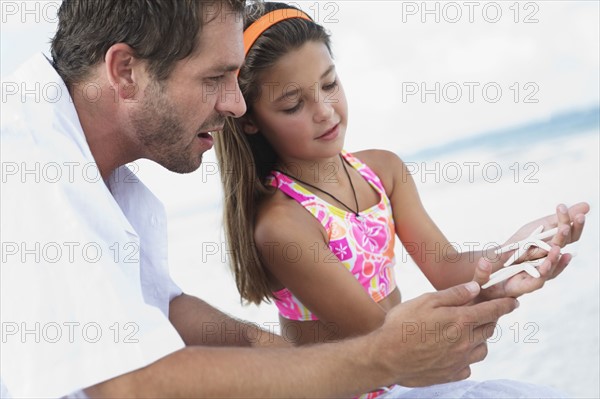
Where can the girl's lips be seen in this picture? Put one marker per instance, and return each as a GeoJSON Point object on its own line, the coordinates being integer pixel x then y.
{"type": "Point", "coordinates": [331, 133]}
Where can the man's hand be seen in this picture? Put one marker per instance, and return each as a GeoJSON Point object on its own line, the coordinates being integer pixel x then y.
{"type": "Point", "coordinates": [435, 338]}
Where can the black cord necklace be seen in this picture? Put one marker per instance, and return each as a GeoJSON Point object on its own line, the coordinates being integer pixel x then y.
{"type": "Point", "coordinates": [355, 212]}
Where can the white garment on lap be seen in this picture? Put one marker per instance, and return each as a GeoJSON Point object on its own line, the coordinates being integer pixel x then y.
{"type": "Point", "coordinates": [494, 389]}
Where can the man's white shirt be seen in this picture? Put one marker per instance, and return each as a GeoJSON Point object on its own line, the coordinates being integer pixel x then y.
{"type": "Point", "coordinates": [85, 287]}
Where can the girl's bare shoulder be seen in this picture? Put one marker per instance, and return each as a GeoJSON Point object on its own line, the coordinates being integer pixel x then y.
{"type": "Point", "coordinates": [386, 165]}
{"type": "Point", "coordinates": [279, 216]}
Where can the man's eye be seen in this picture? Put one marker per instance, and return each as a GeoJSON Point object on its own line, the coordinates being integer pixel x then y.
{"type": "Point", "coordinates": [216, 79]}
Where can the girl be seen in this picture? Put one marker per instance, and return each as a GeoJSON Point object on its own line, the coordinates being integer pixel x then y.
{"type": "Point", "coordinates": [314, 226]}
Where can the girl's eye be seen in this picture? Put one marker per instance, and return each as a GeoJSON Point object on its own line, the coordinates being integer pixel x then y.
{"type": "Point", "coordinates": [331, 85]}
{"type": "Point", "coordinates": [293, 109]}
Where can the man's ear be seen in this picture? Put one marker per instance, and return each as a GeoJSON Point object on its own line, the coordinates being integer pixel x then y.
{"type": "Point", "coordinates": [248, 124]}
{"type": "Point", "coordinates": [124, 71]}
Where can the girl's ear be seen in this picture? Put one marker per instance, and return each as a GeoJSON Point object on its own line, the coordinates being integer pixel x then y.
{"type": "Point", "coordinates": [248, 125]}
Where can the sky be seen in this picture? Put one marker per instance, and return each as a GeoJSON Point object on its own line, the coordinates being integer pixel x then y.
{"type": "Point", "coordinates": [437, 71]}
{"type": "Point", "coordinates": [421, 73]}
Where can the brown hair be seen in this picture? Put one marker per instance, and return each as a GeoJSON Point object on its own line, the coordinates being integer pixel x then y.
{"type": "Point", "coordinates": [159, 31]}
{"type": "Point", "coordinates": [246, 160]}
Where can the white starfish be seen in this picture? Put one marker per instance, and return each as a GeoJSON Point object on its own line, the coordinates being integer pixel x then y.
{"type": "Point", "coordinates": [534, 239]}
{"type": "Point", "coordinates": [508, 271]}
{"type": "Point", "coordinates": [520, 247]}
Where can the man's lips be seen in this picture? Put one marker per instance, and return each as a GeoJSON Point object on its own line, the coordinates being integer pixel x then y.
{"type": "Point", "coordinates": [207, 136]}
{"type": "Point", "coordinates": [207, 132]}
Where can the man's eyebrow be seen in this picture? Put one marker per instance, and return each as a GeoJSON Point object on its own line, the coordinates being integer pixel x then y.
{"type": "Point", "coordinates": [224, 68]}
{"type": "Point", "coordinates": [293, 93]}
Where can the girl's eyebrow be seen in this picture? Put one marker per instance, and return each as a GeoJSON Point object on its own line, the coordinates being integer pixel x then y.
{"type": "Point", "coordinates": [328, 71]}
{"type": "Point", "coordinates": [293, 93]}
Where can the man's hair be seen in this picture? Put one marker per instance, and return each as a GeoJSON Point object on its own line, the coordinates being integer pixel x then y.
{"type": "Point", "coordinates": [159, 31]}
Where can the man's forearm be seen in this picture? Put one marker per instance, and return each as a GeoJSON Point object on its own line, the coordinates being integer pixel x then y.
{"type": "Point", "coordinates": [198, 323]}
{"type": "Point", "coordinates": [327, 370]}
{"type": "Point", "coordinates": [389, 354]}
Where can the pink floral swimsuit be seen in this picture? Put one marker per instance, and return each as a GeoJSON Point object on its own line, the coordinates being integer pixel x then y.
{"type": "Point", "coordinates": [364, 244]}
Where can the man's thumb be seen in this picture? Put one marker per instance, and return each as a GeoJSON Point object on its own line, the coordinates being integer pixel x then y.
{"type": "Point", "coordinates": [458, 295]}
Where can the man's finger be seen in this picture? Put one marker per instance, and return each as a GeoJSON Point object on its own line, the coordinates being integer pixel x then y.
{"type": "Point", "coordinates": [479, 353]}
{"type": "Point", "coordinates": [463, 374]}
{"type": "Point", "coordinates": [489, 311]}
{"type": "Point", "coordinates": [479, 335]}
{"type": "Point", "coordinates": [456, 296]}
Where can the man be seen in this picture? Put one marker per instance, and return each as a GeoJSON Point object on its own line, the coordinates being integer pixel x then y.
{"type": "Point", "coordinates": [88, 307]}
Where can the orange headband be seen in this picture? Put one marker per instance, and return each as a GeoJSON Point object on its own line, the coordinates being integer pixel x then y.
{"type": "Point", "coordinates": [257, 28]}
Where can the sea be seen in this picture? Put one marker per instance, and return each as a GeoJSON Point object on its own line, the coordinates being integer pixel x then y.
{"type": "Point", "coordinates": [478, 190]}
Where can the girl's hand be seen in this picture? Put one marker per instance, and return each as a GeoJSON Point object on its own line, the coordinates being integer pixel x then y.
{"type": "Point", "coordinates": [570, 222]}
{"type": "Point", "coordinates": [521, 283]}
